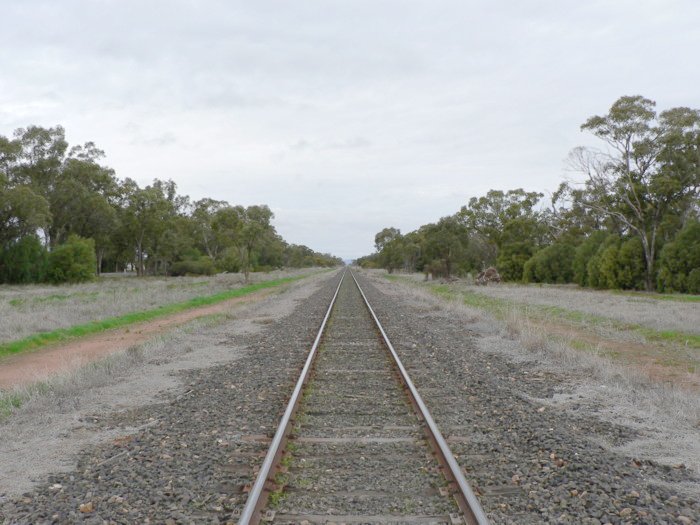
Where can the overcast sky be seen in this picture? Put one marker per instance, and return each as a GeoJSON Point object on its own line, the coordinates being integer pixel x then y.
{"type": "Point", "coordinates": [343, 116]}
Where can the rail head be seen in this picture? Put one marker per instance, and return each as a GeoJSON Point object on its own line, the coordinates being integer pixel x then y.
{"type": "Point", "coordinates": [255, 502]}
{"type": "Point", "coordinates": [473, 511]}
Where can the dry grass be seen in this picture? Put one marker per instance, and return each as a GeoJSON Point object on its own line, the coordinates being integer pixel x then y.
{"type": "Point", "coordinates": [26, 310]}
{"type": "Point", "coordinates": [60, 392]}
{"type": "Point", "coordinates": [634, 390]}
{"type": "Point", "coordinates": [638, 309]}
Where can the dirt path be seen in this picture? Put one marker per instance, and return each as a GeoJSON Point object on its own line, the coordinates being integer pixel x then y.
{"type": "Point", "coordinates": [25, 368]}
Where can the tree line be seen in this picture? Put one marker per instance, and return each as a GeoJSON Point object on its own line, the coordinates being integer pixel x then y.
{"type": "Point", "coordinates": [65, 216]}
{"type": "Point", "coordinates": [629, 219]}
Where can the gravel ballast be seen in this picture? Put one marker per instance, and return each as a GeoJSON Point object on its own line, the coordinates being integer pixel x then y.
{"type": "Point", "coordinates": [359, 451]}
{"type": "Point", "coordinates": [529, 463]}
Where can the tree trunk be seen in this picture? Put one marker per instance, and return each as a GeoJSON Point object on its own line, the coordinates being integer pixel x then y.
{"type": "Point", "coordinates": [139, 259]}
{"type": "Point", "coordinates": [648, 263]}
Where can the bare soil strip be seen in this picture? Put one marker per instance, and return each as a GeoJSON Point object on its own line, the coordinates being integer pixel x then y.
{"type": "Point", "coordinates": [23, 369]}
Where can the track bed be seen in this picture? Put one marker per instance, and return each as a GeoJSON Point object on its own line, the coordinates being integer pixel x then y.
{"type": "Point", "coordinates": [359, 453]}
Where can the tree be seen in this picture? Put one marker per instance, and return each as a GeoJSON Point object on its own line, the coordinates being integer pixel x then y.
{"type": "Point", "coordinates": [204, 217]}
{"type": "Point", "coordinates": [488, 215]}
{"type": "Point", "coordinates": [24, 261]}
{"type": "Point", "coordinates": [255, 231]}
{"type": "Point", "coordinates": [445, 242]}
{"type": "Point", "coordinates": [651, 170]}
{"type": "Point", "coordinates": [521, 238]}
{"type": "Point", "coordinates": [84, 200]}
{"type": "Point", "coordinates": [22, 212]}
{"type": "Point", "coordinates": [389, 244]}
{"type": "Point", "coordinates": [39, 162]}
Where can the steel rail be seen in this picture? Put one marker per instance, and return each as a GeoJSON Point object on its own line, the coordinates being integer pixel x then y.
{"type": "Point", "coordinates": [466, 499]}
{"type": "Point", "coordinates": [255, 502]}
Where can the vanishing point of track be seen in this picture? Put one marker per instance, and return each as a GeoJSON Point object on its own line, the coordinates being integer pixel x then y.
{"type": "Point", "coordinates": [356, 443]}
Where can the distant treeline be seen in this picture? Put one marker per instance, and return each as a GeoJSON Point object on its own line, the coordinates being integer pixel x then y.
{"type": "Point", "coordinates": [630, 222]}
{"type": "Point", "coordinates": [64, 216]}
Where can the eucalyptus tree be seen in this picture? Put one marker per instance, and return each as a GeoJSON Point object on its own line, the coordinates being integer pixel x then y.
{"type": "Point", "coordinates": [255, 230]}
{"type": "Point", "coordinates": [649, 172]}
{"type": "Point", "coordinates": [22, 212]}
{"type": "Point", "coordinates": [446, 242]}
{"type": "Point", "coordinates": [207, 217]}
{"type": "Point", "coordinates": [389, 244]}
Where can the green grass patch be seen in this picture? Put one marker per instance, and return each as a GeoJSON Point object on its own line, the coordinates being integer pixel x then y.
{"type": "Point", "coordinates": [8, 403]}
{"type": "Point", "coordinates": [186, 285]}
{"type": "Point", "coordinates": [681, 298]}
{"type": "Point", "coordinates": [62, 334]}
{"type": "Point", "coordinates": [53, 298]}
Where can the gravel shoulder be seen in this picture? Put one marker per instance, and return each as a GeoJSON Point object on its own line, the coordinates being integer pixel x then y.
{"type": "Point", "coordinates": [545, 436]}
{"type": "Point", "coordinates": [61, 427]}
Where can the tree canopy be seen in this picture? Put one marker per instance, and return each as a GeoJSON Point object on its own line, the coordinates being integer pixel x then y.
{"type": "Point", "coordinates": [61, 206]}
{"type": "Point", "coordinates": [631, 200]}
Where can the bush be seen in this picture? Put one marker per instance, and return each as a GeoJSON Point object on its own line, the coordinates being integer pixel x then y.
{"type": "Point", "coordinates": [553, 264]}
{"type": "Point", "coordinates": [584, 253]}
{"type": "Point", "coordinates": [230, 261]}
{"type": "Point", "coordinates": [512, 258]}
{"type": "Point", "coordinates": [630, 265]}
{"type": "Point", "coordinates": [200, 266]}
{"type": "Point", "coordinates": [694, 281]}
{"type": "Point", "coordinates": [607, 266]}
{"type": "Point", "coordinates": [72, 262]}
{"type": "Point", "coordinates": [24, 262]}
{"type": "Point", "coordinates": [600, 268]}
{"type": "Point", "coordinates": [617, 264]}
{"type": "Point", "coordinates": [679, 262]}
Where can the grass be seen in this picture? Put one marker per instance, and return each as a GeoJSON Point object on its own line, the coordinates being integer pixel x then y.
{"type": "Point", "coordinates": [20, 301]}
{"type": "Point", "coordinates": [26, 310]}
{"type": "Point", "coordinates": [62, 334]}
{"type": "Point", "coordinates": [8, 403]}
{"type": "Point", "coordinates": [593, 335]}
{"type": "Point", "coordinates": [500, 308]}
{"type": "Point", "coordinates": [54, 394]}
{"type": "Point", "coordinates": [683, 298]}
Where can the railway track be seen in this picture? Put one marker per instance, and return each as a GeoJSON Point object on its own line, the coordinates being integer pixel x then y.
{"type": "Point", "coordinates": [356, 444]}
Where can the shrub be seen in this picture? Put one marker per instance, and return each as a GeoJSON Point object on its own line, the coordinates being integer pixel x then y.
{"type": "Point", "coordinates": [552, 264]}
{"type": "Point", "coordinates": [230, 261]}
{"type": "Point", "coordinates": [512, 258]}
{"type": "Point", "coordinates": [679, 261]}
{"type": "Point", "coordinates": [25, 261]}
{"type": "Point", "coordinates": [584, 252]}
{"type": "Point", "coordinates": [607, 266]}
{"type": "Point", "coordinates": [630, 265]}
{"type": "Point", "coordinates": [72, 262]}
{"type": "Point", "coordinates": [694, 281]}
{"type": "Point", "coordinates": [200, 266]}
{"type": "Point", "coordinates": [598, 268]}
